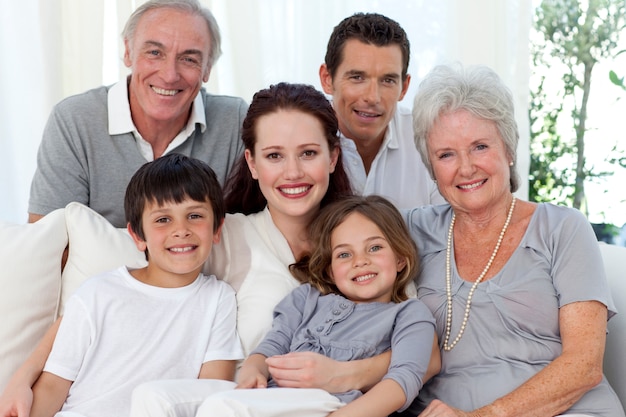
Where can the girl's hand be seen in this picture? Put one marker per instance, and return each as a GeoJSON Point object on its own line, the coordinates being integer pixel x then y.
{"type": "Point", "coordinates": [252, 381]}
{"type": "Point", "coordinates": [253, 373]}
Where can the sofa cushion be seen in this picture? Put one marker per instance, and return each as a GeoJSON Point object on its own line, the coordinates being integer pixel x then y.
{"type": "Point", "coordinates": [30, 283]}
{"type": "Point", "coordinates": [614, 364]}
{"type": "Point", "coordinates": [95, 246]}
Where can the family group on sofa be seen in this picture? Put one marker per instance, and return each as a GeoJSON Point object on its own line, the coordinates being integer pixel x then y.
{"type": "Point", "coordinates": [395, 272]}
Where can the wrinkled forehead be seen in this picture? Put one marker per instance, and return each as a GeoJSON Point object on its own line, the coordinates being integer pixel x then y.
{"type": "Point", "coordinates": [170, 26]}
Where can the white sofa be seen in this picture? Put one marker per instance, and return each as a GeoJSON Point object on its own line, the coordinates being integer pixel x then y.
{"type": "Point", "coordinates": [33, 287]}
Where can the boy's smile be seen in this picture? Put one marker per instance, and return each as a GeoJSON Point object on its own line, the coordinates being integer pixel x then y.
{"type": "Point", "coordinates": [178, 239]}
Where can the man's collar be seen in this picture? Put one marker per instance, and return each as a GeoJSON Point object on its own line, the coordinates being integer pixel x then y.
{"type": "Point", "coordinates": [390, 140]}
{"type": "Point", "coordinates": [391, 134]}
{"type": "Point", "coordinates": [120, 120]}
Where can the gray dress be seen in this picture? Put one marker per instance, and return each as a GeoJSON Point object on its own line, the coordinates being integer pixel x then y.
{"type": "Point", "coordinates": [306, 321]}
{"type": "Point", "coordinates": [513, 327]}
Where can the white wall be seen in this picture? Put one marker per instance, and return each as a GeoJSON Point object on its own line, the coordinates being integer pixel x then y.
{"type": "Point", "coordinates": [55, 48]}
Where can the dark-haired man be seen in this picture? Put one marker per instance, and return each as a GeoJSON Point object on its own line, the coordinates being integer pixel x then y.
{"type": "Point", "coordinates": [365, 71]}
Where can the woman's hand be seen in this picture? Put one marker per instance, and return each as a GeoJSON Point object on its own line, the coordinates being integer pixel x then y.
{"type": "Point", "coordinates": [304, 370]}
{"type": "Point", "coordinates": [313, 370]}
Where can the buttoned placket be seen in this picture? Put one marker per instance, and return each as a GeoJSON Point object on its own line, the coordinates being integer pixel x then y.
{"type": "Point", "coordinates": [339, 311]}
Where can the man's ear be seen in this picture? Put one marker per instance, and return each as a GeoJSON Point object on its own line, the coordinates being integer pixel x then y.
{"type": "Point", "coordinates": [207, 72]}
{"type": "Point", "coordinates": [139, 242]}
{"type": "Point", "coordinates": [127, 58]}
{"type": "Point", "coordinates": [326, 79]}
{"type": "Point", "coordinates": [405, 86]}
{"type": "Point", "coordinates": [251, 164]}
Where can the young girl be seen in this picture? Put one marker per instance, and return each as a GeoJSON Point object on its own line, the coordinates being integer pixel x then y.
{"type": "Point", "coordinates": [352, 304]}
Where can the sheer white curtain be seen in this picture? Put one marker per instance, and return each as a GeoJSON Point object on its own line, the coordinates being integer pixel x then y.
{"type": "Point", "coordinates": [55, 48]}
{"type": "Point", "coordinates": [50, 49]}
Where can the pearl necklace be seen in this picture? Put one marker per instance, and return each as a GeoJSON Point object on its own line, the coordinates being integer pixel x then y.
{"type": "Point", "coordinates": [446, 345]}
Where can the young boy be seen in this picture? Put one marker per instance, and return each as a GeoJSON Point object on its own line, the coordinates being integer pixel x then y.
{"type": "Point", "coordinates": [164, 321]}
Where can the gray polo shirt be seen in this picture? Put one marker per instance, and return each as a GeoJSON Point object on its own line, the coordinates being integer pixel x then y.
{"type": "Point", "coordinates": [80, 160]}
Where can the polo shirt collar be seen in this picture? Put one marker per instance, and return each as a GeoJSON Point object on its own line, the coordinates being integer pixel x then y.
{"type": "Point", "coordinates": [120, 120]}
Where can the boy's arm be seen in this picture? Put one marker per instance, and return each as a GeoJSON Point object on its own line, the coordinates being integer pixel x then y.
{"type": "Point", "coordinates": [254, 372]}
{"type": "Point", "coordinates": [222, 369]}
{"type": "Point", "coordinates": [16, 400]}
{"type": "Point", "coordinates": [49, 393]}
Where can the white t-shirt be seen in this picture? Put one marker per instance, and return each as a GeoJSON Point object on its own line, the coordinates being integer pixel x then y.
{"type": "Point", "coordinates": [118, 332]}
{"type": "Point", "coordinates": [397, 172]}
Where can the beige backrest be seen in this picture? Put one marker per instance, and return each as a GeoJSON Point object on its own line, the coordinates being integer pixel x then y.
{"type": "Point", "coordinates": [615, 354]}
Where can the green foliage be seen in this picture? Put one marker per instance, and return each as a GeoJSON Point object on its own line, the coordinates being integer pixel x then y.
{"type": "Point", "coordinates": [615, 79]}
{"type": "Point", "coordinates": [570, 37]}
{"type": "Point", "coordinates": [548, 150]}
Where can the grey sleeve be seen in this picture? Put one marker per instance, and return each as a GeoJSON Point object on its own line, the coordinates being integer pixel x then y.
{"type": "Point", "coordinates": [221, 145]}
{"type": "Point", "coordinates": [61, 175]}
{"type": "Point", "coordinates": [577, 268]}
{"type": "Point", "coordinates": [411, 346]}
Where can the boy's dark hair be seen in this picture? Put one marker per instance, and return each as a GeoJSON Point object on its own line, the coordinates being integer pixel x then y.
{"type": "Point", "coordinates": [172, 178]}
{"type": "Point", "coordinates": [369, 28]}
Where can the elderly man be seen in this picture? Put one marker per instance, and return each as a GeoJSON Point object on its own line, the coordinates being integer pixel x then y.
{"type": "Point", "coordinates": [95, 141]}
{"type": "Point", "coordinates": [365, 71]}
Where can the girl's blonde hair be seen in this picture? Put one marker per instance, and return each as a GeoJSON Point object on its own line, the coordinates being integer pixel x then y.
{"type": "Point", "coordinates": [315, 268]}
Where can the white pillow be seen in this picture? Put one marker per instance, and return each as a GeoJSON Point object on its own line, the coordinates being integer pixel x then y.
{"type": "Point", "coordinates": [30, 281]}
{"type": "Point", "coordinates": [95, 246]}
{"type": "Point", "coordinates": [614, 366]}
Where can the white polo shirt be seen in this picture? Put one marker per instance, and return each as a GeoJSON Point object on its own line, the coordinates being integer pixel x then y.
{"type": "Point", "coordinates": [397, 172]}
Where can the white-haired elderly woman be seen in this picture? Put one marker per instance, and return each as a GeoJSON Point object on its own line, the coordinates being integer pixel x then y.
{"type": "Point", "coordinates": [517, 288]}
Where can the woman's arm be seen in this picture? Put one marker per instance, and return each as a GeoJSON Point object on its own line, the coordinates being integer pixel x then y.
{"type": "Point", "coordinates": [382, 400]}
{"type": "Point", "coordinates": [17, 398]}
{"type": "Point", "coordinates": [564, 381]}
{"type": "Point", "coordinates": [313, 370]}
